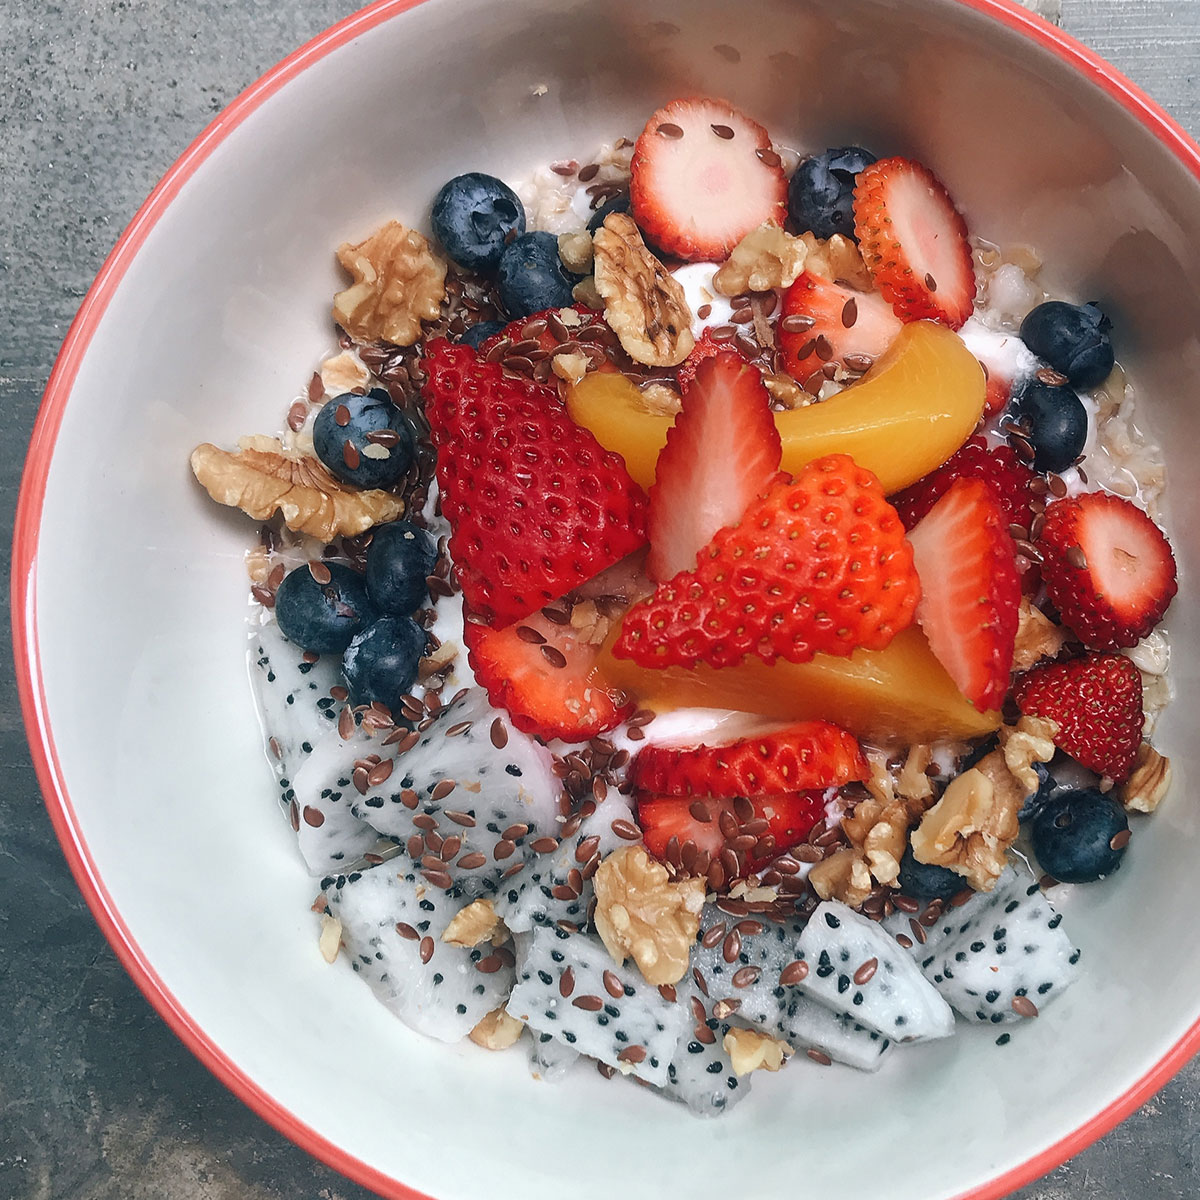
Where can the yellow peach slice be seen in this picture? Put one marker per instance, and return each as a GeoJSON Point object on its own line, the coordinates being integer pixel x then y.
{"type": "Point", "coordinates": [900, 694]}
{"type": "Point", "coordinates": [905, 417]}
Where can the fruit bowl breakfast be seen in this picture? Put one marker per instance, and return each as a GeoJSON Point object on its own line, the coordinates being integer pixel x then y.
{"type": "Point", "coordinates": [711, 622]}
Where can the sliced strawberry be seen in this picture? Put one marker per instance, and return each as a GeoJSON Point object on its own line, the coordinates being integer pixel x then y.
{"type": "Point", "coordinates": [721, 453]}
{"type": "Point", "coordinates": [817, 565]}
{"type": "Point", "coordinates": [544, 675]}
{"type": "Point", "coordinates": [1096, 701]}
{"type": "Point", "coordinates": [914, 242]}
{"type": "Point", "coordinates": [702, 836]}
{"type": "Point", "coordinates": [704, 348]}
{"type": "Point", "coordinates": [811, 754]}
{"type": "Point", "coordinates": [703, 175]}
{"type": "Point", "coordinates": [536, 505]}
{"type": "Point", "coordinates": [1108, 568]}
{"type": "Point", "coordinates": [1000, 387]}
{"type": "Point", "coordinates": [519, 337]}
{"type": "Point", "coordinates": [970, 590]}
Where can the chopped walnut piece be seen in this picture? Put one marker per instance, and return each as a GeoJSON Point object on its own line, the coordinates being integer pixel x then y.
{"type": "Point", "coordinates": [575, 251]}
{"type": "Point", "coordinates": [497, 1031]}
{"type": "Point", "coordinates": [660, 399]}
{"type": "Point", "coordinates": [586, 293]}
{"type": "Point", "coordinates": [590, 625]}
{"type": "Point", "coordinates": [643, 302]}
{"type": "Point", "coordinates": [330, 940]}
{"type": "Point", "coordinates": [766, 258]}
{"type": "Point", "coordinates": [475, 923]}
{"type": "Point", "coordinates": [641, 914]}
{"type": "Point", "coordinates": [843, 876]}
{"type": "Point", "coordinates": [750, 1050]}
{"type": "Point", "coordinates": [258, 565]}
{"type": "Point", "coordinates": [880, 831]}
{"type": "Point", "coordinates": [569, 367]}
{"type": "Point", "coordinates": [879, 781]}
{"type": "Point", "coordinates": [783, 389]}
{"type": "Point", "coordinates": [398, 283]}
{"type": "Point", "coordinates": [262, 477]}
{"type": "Point", "coordinates": [1029, 741]}
{"type": "Point", "coordinates": [1149, 781]}
{"type": "Point", "coordinates": [912, 784]}
{"type": "Point", "coordinates": [343, 373]}
{"type": "Point", "coordinates": [837, 258]}
{"type": "Point", "coordinates": [1037, 637]}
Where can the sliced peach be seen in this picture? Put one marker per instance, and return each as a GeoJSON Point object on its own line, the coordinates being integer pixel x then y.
{"type": "Point", "coordinates": [907, 415]}
{"type": "Point", "coordinates": [899, 694]}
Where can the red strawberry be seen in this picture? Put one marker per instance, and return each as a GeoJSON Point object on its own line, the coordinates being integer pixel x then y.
{"type": "Point", "coordinates": [970, 590]}
{"type": "Point", "coordinates": [535, 329]}
{"type": "Point", "coordinates": [812, 754]}
{"type": "Point", "coordinates": [999, 391]}
{"type": "Point", "coordinates": [703, 175]}
{"type": "Point", "coordinates": [695, 834]}
{"type": "Point", "coordinates": [914, 242]}
{"type": "Point", "coordinates": [998, 466]}
{"type": "Point", "coordinates": [1108, 568]}
{"type": "Point", "coordinates": [704, 348]}
{"type": "Point", "coordinates": [1097, 702]}
{"type": "Point", "coordinates": [544, 675]}
{"type": "Point", "coordinates": [721, 453]}
{"type": "Point", "coordinates": [839, 325]}
{"type": "Point", "coordinates": [817, 565]}
{"type": "Point", "coordinates": [536, 506]}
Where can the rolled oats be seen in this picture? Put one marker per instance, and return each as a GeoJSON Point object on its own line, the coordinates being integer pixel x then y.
{"type": "Point", "coordinates": [1149, 781]}
{"type": "Point", "coordinates": [497, 1030]}
{"type": "Point", "coordinates": [750, 1050]}
{"type": "Point", "coordinates": [767, 257]}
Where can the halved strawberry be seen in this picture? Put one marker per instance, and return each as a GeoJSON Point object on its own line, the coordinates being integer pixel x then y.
{"type": "Point", "coordinates": [1108, 568]}
{"type": "Point", "coordinates": [701, 829]}
{"type": "Point", "coordinates": [970, 590]}
{"type": "Point", "coordinates": [721, 453]}
{"type": "Point", "coordinates": [703, 175]}
{"type": "Point", "coordinates": [914, 242]}
{"type": "Point", "coordinates": [823, 322]}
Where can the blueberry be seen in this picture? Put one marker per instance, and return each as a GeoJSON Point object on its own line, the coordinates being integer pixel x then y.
{"type": "Point", "coordinates": [399, 559]}
{"type": "Point", "coordinates": [1047, 786]}
{"type": "Point", "coordinates": [480, 332]}
{"type": "Point", "coordinates": [323, 617]}
{"type": "Point", "coordinates": [924, 882]}
{"type": "Point", "coordinates": [1057, 424]}
{"type": "Point", "coordinates": [341, 438]}
{"type": "Point", "coordinates": [1073, 835]}
{"type": "Point", "coordinates": [821, 192]}
{"type": "Point", "coordinates": [473, 214]}
{"type": "Point", "coordinates": [381, 662]}
{"type": "Point", "coordinates": [617, 204]}
{"type": "Point", "coordinates": [532, 276]}
{"type": "Point", "coordinates": [1072, 338]}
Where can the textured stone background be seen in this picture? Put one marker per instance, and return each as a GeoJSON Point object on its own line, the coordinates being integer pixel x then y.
{"type": "Point", "coordinates": [98, 1100]}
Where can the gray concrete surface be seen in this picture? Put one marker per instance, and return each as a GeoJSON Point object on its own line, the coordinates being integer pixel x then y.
{"type": "Point", "coordinates": [98, 1101]}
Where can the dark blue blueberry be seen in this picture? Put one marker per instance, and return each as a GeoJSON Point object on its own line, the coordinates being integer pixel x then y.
{"type": "Point", "coordinates": [617, 204]}
{"type": "Point", "coordinates": [342, 436]}
{"type": "Point", "coordinates": [323, 617]}
{"type": "Point", "coordinates": [1072, 338]}
{"type": "Point", "coordinates": [399, 559]}
{"type": "Point", "coordinates": [924, 882]}
{"type": "Point", "coordinates": [821, 192]}
{"type": "Point", "coordinates": [1073, 835]}
{"type": "Point", "coordinates": [532, 276]}
{"type": "Point", "coordinates": [1056, 424]}
{"type": "Point", "coordinates": [381, 662]}
{"type": "Point", "coordinates": [480, 332]}
{"type": "Point", "coordinates": [473, 214]}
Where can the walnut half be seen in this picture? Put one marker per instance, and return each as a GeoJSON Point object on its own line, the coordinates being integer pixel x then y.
{"type": "Point", "coordinates": [1149, 781]}
{"type": "Point", "coordinates": [766, 258]}
{"type": "Point", "coordinates": [641, 914]}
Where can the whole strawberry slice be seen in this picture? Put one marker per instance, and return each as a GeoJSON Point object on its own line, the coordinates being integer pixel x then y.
{"type": "Point", "coordinates": [1108, 568]}
{"type": "Point", "coordinates": [1097, 702]}
{"type": "Point", "coordinates": [703, 175]}
{"type": "Point", "coordinates": [970, 590]}
{"type": "Point", "coordinates": [817, 565]}
{"type": "Point", "coordinates": [706, 837]}
{"type": "Point", "coordinates": [914, 242]}
{"type": "Point", "coordinates": [721, 453]}
{"type": "Point", "coordinates": [822, 321]}
{"type": "Point", "coordinates": [812, 754]}
{"type": "Point", "coordinates": [998, 466]}
{"type": "Point", "coordinates": [536, 505]}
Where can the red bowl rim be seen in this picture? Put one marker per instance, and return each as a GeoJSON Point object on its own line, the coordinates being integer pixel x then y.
{"type": "Point", "coordinates": [24, 612]}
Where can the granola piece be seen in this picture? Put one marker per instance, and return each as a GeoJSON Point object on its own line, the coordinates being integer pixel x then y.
{"type": "Point", "coordinates": [398, 283]}
{"type": "Point", "coordinates": [879, 830]}
{"type": "Point", "coordinates": [343, 373]}
{"type": "Point", "coordinates": [1148, 783]}
{"type": "Point", "coordinates": [575, 251]}
{"type": "Point", "coordinates": [1037, 637]}
{"type": "Point", "coordinates": [643, 302]}
{"type": "Point", "coordinates": [750, 1050]}
{"type": "Point", "coordinates": [261, 477]}
{"type": "Point", "coordinates": [838, 259]}
{"type": "Point", "coordinates": [767, 257]}
{"type": "Point", "coordinates": [330, 941]}
{"type": "Point", "coordinates": [1029, 741]}
{"type": "Point", "coordinates": [475, 923]}
{"type": "Point", "coordinates": [497, 1030]}
{"type": "Point", "coordinates": [641, 914]}
{"type": "Point", "coordinates": [844, 875]}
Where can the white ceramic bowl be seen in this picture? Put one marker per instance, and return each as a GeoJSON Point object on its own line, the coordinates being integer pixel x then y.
{"type": "Point", "coordinates": [129, 588]}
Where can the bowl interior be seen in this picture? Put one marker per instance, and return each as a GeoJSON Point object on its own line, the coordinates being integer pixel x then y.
{"type": "Point", "coordinates": [216, 322]}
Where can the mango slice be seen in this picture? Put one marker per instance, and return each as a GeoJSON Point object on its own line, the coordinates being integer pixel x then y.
{"type": "Point", "coordinates": [906, 416]}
